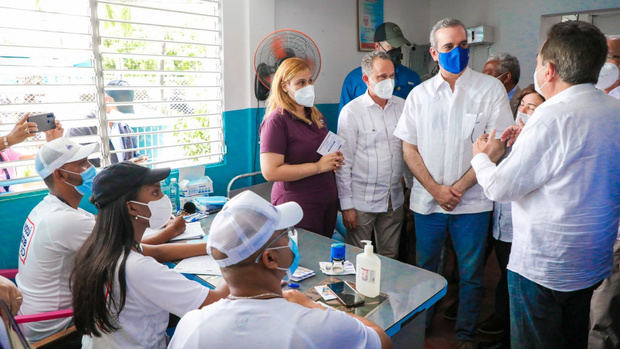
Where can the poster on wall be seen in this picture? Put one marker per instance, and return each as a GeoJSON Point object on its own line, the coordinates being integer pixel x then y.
{"type": "Point", "coordinates": [369, 16]}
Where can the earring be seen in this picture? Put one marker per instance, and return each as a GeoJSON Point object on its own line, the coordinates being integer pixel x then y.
{"type": "Point", "coordinates": [135, 217]}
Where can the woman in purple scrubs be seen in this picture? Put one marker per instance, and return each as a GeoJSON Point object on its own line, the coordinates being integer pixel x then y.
{"type": "Point", "coordinates": [290, 136]}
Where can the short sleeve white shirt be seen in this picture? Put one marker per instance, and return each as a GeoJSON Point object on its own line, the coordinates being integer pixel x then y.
{"type": "Point", "coordinates": [373, 156]}
{"type": "Point", "coordinates": [51, 236]}
{"type": "Point", "coordinates": [444, 124]}
{"type": "Point", "coordinates": [273, 323]}
{"type": "Point", "coordinates": [563, 178]}
{"type": "Point", "coordinates": [153, 292]}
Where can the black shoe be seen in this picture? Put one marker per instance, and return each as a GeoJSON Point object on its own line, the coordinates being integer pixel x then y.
{"type": "Point", "coordinates": [492, 325]}
{"type": "Point", "coordinates": [451, 311]}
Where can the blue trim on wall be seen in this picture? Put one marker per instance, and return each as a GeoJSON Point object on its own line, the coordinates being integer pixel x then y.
{"type": "Point", "coordinates": [240, 135]}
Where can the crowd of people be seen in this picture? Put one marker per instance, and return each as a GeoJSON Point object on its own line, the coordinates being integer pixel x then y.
{"type": "Point", "coordinates": [536, 169]}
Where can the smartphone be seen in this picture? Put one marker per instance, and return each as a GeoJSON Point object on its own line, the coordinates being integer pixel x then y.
{"type": "Point", "coordinates": [346, 294]}
{"type": "Point", "coordinates": [45, 121]}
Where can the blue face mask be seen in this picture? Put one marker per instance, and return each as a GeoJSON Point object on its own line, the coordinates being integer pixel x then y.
{"type": "Point", "coordinates": [86, 188]}
{"type": "Point", "coordinates": [454, 61]}
{"type": "Point", "coordinates": [292, 245]}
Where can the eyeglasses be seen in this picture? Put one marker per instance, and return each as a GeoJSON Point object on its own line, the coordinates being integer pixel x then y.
{"type": "Point", "coordinates": [290, 231]}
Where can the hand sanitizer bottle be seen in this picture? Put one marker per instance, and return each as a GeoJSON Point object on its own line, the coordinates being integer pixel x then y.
{"type": "Point", "coordinates": [368, 274]}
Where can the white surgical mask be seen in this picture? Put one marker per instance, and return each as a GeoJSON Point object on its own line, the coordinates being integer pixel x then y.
{"type": "Point", "coordinates": [384, 89]}
{"type": "Point", "coordinates": [524, 117]}
{"type": "Point", "coordinates": [608, 75]}
{"type": "Point", "coordinates": [160, 211]}
{"type": "Point", "coordinates": [305, 96]}
{"type": "Point", "coordinates": [536, 86]}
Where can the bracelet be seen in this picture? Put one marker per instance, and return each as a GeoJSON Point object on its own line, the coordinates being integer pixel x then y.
{"type": "Point", "coordinates": [6, 141]}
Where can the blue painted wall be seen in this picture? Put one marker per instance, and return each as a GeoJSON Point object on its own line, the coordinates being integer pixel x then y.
{"type": "Point", "coordinates": [240, 134]}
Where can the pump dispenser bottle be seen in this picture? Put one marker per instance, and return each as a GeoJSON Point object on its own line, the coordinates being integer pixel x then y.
{"type": "Point", "coordinates": [368, 274]}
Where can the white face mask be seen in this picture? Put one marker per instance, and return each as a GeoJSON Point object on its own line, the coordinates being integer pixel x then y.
{"type": "Point", "coordinates": [305, 96]}
{"type": "Point", "coordinates": [383, 89]}
{"type": "Point", "coordinates": [160, 211]}
{"type": "Point", "coordinates": [608, 75]}
{"type": "Point", "coordinates": [524, 117]}
{"type": "Point", "coordinates": [536, 86]}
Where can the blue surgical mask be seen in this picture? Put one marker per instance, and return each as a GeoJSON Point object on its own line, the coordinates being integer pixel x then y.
{"type": "Point", "coordinates": [86, 188]}
{"type": "Point", "coordinates": [292, 245]}
{"type": "Point", "coordinates": [454, 61]}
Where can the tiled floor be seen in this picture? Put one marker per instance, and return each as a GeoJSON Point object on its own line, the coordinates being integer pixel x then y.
{"type": "Point", "coordinates": [441, 335]}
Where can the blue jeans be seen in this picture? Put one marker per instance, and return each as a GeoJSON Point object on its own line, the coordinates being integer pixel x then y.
{"type": "Point", "coordinates": [469, 235]}
{"type": "Point", "coordinates": [547, 319]}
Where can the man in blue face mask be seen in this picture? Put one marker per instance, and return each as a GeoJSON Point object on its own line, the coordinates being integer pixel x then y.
{"type": "Point", "coordinates": [253, 242]}
{"type": "Point", "coordinates": [441, 119]}
{"type": "Point", "coordinates": [53, 232]}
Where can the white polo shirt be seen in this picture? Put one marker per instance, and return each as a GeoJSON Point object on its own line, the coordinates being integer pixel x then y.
{"type": "Point", "coordinates": [373, 156]}
{"type": "Point", "coordinates": [444, 125]}
{"type": "Point", "coordinates": [52, 235]}
{"type": "Point", "coordinates": [154, 291]}
{"type": "Point", "coordinates": [270, 323]}
{"type": "Point", "coordinates": [563, 178]}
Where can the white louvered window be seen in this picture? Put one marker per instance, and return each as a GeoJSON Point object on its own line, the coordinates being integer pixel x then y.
{"type": "Point", "coordinates": [141, 78]}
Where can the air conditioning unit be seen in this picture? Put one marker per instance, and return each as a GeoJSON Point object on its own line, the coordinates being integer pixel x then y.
{"type": "Point", "coordinates": [482, 34]}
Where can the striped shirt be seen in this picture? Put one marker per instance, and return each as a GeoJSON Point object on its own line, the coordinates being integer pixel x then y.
{"type": "Point", "coordinates": [373, 155]}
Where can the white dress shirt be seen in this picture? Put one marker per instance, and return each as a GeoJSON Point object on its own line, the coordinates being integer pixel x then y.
{"type": "Point", "coordinates": [615, 93]}
{"type": "Point", "coordinates": [563, 178]}
{"type": "Point", "coordinates": [444, 125]}
{"type": "Point", "coordinates": [373, 157]}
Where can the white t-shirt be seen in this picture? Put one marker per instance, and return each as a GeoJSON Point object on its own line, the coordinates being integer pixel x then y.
{"type": "Point", "coordinates": [444, 124]}
{"type": "Point", "coordinates": [273, 323]}
{"type": "Point", "coordinates": [153, 292]}
{"type": "Point", "coordinates": [52, 234]}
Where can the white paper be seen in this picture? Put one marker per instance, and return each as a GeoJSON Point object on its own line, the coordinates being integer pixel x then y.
{"type": "Point", "coordinates": [325, 292]}
{"type": "Point", "coordinates": [204, 265]}
{"type": "Point", "coordinates": [326, 268]}
{"type": "Point", "coordinates": [331, 143]}
{"type": "Point", "coordinates": [193, 230]}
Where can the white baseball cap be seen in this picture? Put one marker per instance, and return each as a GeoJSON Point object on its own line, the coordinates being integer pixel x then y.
{"type": "Point", "coordinates": [58, 152]}
{"type": "Point", "coordinates": [246, 223]}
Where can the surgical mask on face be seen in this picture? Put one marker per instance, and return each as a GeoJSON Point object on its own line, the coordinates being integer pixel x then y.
{"type": "Point", "coordinates": [384, 88]}
{"type": "Point", "coordinates": [160, 211]}
{"type": "Point", "coordinates": [524, 117]}
{"type": "Point", "coordinates": [305, 96]}
{"type": "Point", "coordinates": [454, 61]}
{"type": "Point", "coordinates": [292, 245]}
{"type": "Point", "coordinates": [608, 75]}
{"type": "Point", "coordinates": [86, 188]}
{"type": "Point", "coordinates": [537, 87]}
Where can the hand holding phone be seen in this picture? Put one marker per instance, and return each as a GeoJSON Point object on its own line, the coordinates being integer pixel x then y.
{"type": "Point", "coordinates": [346, 294]}
{"type": "Point", "coordinates": [45, 121]}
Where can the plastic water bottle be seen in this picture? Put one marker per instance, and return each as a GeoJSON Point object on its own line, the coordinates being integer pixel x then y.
{"type": "Point", "coordinates": [174, 194]}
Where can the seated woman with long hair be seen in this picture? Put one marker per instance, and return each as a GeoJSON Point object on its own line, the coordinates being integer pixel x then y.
{"type": "Point", "coordinates": [122, 295]}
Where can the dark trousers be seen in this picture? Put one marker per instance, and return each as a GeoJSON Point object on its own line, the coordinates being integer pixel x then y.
{"type": "Point", "coordinates": [502, 308]}
{"type": "Point", "coordinates": [541, 318]}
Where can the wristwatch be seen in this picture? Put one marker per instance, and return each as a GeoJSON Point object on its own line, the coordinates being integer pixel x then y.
{"type": "Point", "coordinates": [6, 141]}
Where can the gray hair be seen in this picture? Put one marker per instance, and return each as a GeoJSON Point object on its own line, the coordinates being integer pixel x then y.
{"type": "Point", "coordinates": [444, 23]}
{"type": "Point", "coordinates": [369, 58]}
{"type": "Point", "coordinates": [507, 63]}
